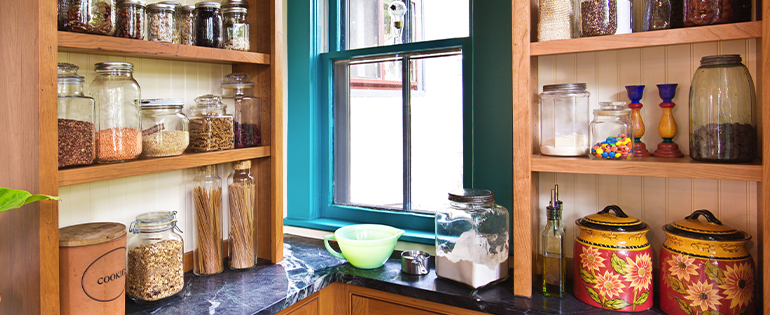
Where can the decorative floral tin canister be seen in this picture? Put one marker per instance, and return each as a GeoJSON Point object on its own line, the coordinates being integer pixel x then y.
{"type": "Point", "coordinates": [705, 268]}
{"type": "Point", "coordinates": [613, 262]}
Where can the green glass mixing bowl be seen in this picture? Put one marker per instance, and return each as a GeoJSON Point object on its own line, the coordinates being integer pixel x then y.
{"type": "Point", "coordinates": [365, 246]}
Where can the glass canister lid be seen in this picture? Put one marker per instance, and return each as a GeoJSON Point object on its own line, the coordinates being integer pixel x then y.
{"type": "Point", "coordinates": [472, 195]}
{"type": "Point", "coordinates": [68, 74]}
{"type": "Point", "coordinates": [209, 100]}
{"type": "Point", "coordinates": [612, 105]}
{"type": "Point", "coordinates": [564, 87]}
{"type": "Point", "coordinates": [237, 80]}
{"type": "Point", "coordinates": [612, 112]}
{"type": "Point", "coordinates": [617, 222]}
{"type": "Point", "coordinates": [158, 103]}
{"type": "Point", "coordinates": [712, 229]}
{"type": "Point", "coordinates": [154, 222]}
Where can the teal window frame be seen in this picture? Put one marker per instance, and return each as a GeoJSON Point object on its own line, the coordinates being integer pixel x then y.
{"type": "Point", "coordinates": [487, 114]}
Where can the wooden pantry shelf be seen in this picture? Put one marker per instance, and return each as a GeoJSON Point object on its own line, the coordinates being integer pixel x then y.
{"type": "Point", "coordinates": [116, 46]}
{"type": "Point", "coordinates": [688, 35]}
{"type": "Point", "coordinates": [649, 166]}
{"type": "Point", "coordinates": [99, 172]}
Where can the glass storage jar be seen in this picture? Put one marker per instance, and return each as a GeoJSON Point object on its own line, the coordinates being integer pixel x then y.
{"type": "Point", "coordinates": [472, 238]}
{"type": "Point", "coordinates": [598, 17]}
{"type": "Point", "coordinates": [117, 97]}
{"type": "Point", "coordinates": [699, 12]}
{"type": "Point", "coordinates": [207, 210]}
{"type": "Point", "coordinates": [208, 24]}
{"type": "Point", "coordinates": [238, 92]}
{"type": "Point", "coordinates": [61, 14]}
{"type": "Point", "coordinates": [131, 19]}
{"type": "Point", "coordinates": [91, 16]}
{"type": "Point", "coordinates": [210, 128]}
{"type": "Point", "coordinates": [177, 19]}
{"type": "Point", "coordinates": [165, 129]}
{"type": "Point", "coordinates": [155, 257]}
{"type": "Point", "coordinates": [612, 134]}
{"type": "Point", "coordinates": [564, 119]}
{"type": "Point", "coordinates": [555, 20]}
{"type": "Point", "coordinates": [161, 23]}
{"type": "Point", "coordinates": [722, 111]}
{"type": "Point", "coordinates": [75, 118]}
{"type": "Point", "coordinates": [236, 29]}
{"type": "Point", "coordinates": [241, 196]}
{"type": "Point", "coordinates": [657, 15]}
{"type": "Point", "coordinates": [187, 26]}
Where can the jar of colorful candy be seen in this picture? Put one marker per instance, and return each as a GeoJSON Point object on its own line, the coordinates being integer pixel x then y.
{"type": "Point", "coordinates": [612, 134]}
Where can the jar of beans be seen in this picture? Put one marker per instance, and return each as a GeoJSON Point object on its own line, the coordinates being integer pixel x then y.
{"type": "Point", "coordinates": [238, 92]}
{"type": "Point", "coordinates": [177, 19]}
{"type": "Point", "coordinates": [187, 25]}
{"type": "Point", "coordinates": [723, 115]}
{"type": "Point", "coordinates": [598, 17]}
{"type": "Point", "coordinates": [236, 29]}
{"type": "Point", "coordinates": [155, 257]}
{"type": "Point", "coordinates": [117, 97]}
{"type": "Point", "coordinates": [165, 129]}
{"type": "Point", "coordinates": [76, 119]}
{"type": "Point", "coordinates": [89, 16]}
{"type": "Point", "coordinates": [697, 12]}
{"type": "Point", "coordinates": [208, 24]}
{"type": "Point", "coordinates": [161, 22]}
{"type": "Point", "coordinates": [210, 128]}
{"type": "Point", "coordinates": [611, 134]}
{"type": "Point", "coordinates": [130, 19]}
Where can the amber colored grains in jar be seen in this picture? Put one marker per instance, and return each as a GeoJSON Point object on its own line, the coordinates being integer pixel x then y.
{"type": "Point", "coordinates": [155, 271]}
{"type": "Point", "coordinates": [119, 144]}
{"type": "Point", "coordinates": [211, 133]}
{"type": "Point", "coordinates": [165, 143]}
{"type": "Point", "coordinates": [598, 17]}
{"type": "Point", "coordinates": [76, 142]}
{"type": "Point", "coordinates": [130, 22]}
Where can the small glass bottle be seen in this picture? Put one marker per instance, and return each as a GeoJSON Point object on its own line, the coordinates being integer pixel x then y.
{"type": "Point", "coordinates": [91, 16]}
{"type": "Point", "coordinates": [155, 257]}
{"type": "Point", "coordinates": [612, 134]}
{"type": "Point", "coordinates": [236, 29]}
{"type": "Point", "coordinates": [210, 128]}
{"type": "Point", "coordinates": [161, 23]}
{"type": "Point", "coordinates": [242, 194]}
{"type": "Point", "coordinates": [77, 132]}
{"type": "Point", "coordinates": [165, 129]}
{"type": "Point", "coordinates": [208, 24]}
{"type": "Point", "coordinates": [552, 248]}
{"type": "Point", "coordinates": [187, 25]}
{"type": "Point", "coordinates": [238, 92]}
{"type": "Point", "coordinates": [598, 17]}
{"type": "Point", "coordinates": [208, 256]}
{"type": "Point", "coordinates": [131, 19]}
{"type": "Point", "coordinates": [564, 119]}
{"type": "Point", "coordinates": [117, 97]}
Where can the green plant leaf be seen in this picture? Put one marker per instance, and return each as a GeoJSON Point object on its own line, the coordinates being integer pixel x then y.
{"type": "Point", "coordinates": [594, 296]}
{"type": "Point", "coordinates": [677, 285]}
{"type": "Point", "coordinates": [616, 304]}
{"type": "Point", "coordinates": [13, 199]}
{"type": "Point", "coordinates": [712, 313]}
{"type": "Point", "coordinates": [714, 273]}
{"type": "Point", "coordinates": [619, 265]}
{"type": "Point", "coordinates": [684, 306]}
{"type": "Point", "coordinates": [642, 298]}
{"type": "Point", "coordinates": [587, 276]}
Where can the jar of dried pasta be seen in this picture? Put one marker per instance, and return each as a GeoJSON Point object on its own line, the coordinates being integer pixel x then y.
{"type": "Point", "coordinates": [155, 253]}
{"type": "Point", "coordinates": [241, 197]}
{"type": "Point", "coordinates": [210, 128]}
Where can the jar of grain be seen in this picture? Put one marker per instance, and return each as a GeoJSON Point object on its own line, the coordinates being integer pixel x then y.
{"type": "Point", "coordinates": [238, 92]}
{"type": "Point", "coordinates": [165, 129]}
{"type": "Point", "coordinates": [236, 29]}
{"type": "Point", "coordinates": [131, 19]}
{"type": "Point", "coordinates": [155, 253]}
{"type": "Point", "coordinates": [177, 19]}
{"type": "Point", "coordinates": [187, 25]}
{"type": "Point", "coordinates": [241, 196]}
{"type": "Point", "coordinates": [76, 119]}
{"type": "Point", "coordinates": [161, 22]}
{"type": "Point", "coordinates": [208, 253]}
{"type": "Point", "coordinates": [89, 16]}
{"type": "Point", "coordinates": [210, 128]}
{"type": "Point", "coordinates": [598, 17]}
{"type": "Point", "coordinates": [117, 97]}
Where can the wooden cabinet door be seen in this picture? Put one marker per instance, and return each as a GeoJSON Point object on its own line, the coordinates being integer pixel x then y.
{"type": "Point", "coordinates": [361, 305]}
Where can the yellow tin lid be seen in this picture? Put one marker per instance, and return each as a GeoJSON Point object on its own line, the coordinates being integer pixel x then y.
{"type": "Point", "coordinates": [711, 229]}
{"type": "Point", "coordinates": [618, 221]}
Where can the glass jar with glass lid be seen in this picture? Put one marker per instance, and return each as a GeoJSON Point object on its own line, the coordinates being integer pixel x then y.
{"type": "Point", "coordinates": [90, 16]}
{"type": "Point", "coordinates": [236, 29]}
{"type": "Point", "coordinates": [238, 93]}
{"type": "Point", "coordinates": [131, 19]}
{"type": "Point", "coordinates": [210, 128]}
{"type": "Point", "coordinates": [177, 19]}
{"type": "Point", "coordinates": [612, 134]}
{"type": "Point", "coordinates": [564, 119]}
{"type": "Point", "coordinates": [187, 25]}
{"type": "Point", "coordinates": [208, 24]}
{"type": "Point", "coordinates": [208, 254]}
{"type": "Point", "coordinates": [77, 132]}
{"type": "Point", "coordinates": [117, 97]}
{"type": "Point", "coordinates": [165, 129]}
{"type": "Point", "coordinates": [155, 257]}
{"type": "Point", "coordinates": [161, 22]}
{"type": "Point", "coordinates": [472, 238]}
{"type": "Point", "coordinates": [241, 196]}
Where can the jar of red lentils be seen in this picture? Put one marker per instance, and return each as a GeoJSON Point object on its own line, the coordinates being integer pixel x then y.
{"type": "Point", "coordinates": [117, 97]}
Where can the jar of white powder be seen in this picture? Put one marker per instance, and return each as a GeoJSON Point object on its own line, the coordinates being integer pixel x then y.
{"type": "Point", "coordinates": [472, 238]}
{"type": "Point", "coordinates": [564, 119]}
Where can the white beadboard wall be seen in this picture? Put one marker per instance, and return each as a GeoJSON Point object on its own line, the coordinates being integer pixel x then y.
{"type": "Point", "coordinates": [656, 201]}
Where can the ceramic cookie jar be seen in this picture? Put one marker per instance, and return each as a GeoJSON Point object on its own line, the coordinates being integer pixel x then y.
{"type": "Point", "coordinates": [613, 262]}
{"type": "Point", "coordinates": [705, 268]}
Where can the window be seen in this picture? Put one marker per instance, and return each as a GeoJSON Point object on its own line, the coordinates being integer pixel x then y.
{"type": "Point", "coordinates": [385, 123]}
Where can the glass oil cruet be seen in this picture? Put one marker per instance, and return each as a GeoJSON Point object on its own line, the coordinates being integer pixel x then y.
{"type": "Point", "coordinates": [552, 249]}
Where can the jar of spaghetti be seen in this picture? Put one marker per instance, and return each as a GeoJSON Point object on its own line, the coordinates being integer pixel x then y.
{"type": "Point", "coordinates": [117, 97]}
{"type": "Point", "coordinates": [241, 195]}
{"type": "Point", "coordinates": [208, 256]}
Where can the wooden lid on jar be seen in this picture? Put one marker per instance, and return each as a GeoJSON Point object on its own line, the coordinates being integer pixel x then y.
{"type": "Point", "coordinates": [90, 233]}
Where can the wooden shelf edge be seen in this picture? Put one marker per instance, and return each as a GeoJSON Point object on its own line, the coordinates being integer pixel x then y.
{"type": "Point", "coordinates": [116, 46]}
{"type": "Point", "coordinates": [650, 167]}
{"type": "Point", "coordinates": [100, 172]}
{"type": "Point", "coordinates": [689, 35]}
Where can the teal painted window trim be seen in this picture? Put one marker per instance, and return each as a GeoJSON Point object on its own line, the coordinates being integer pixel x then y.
{"type": "Point", "coordinates": [488, 136]}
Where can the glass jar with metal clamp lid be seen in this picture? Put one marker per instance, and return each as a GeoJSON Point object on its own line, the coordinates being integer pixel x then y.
{"type": "Point", "coordinates": [155, 252]}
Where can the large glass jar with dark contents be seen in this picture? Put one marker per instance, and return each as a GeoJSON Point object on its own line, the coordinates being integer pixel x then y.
{"type": "Point", "coordinates": [598, 17]}
{"type": "Point", "coordinates": [161, 22]}
{"type": "Point", "coordinates": [177, 19]}
{"type": "Point", "coordinates": [187, 25]}
{"type": "Point", "coordinates": [236, 29]}
{"type": "Point", "coordinates": [155, 268]}
{"type": "Point", "coordinates": [76, 119]}
{"type": "Point", "coordinates": [238, 92]}
{"type": "Point", "coordinates": [91, 16]}
{"type": "Point", "coordinates": [131, 19]}
{"type": "Point", "coordinates": [700, 12]}
{"type": "Point", "coordinates": [722, 111]}
{"type": "Point", "coordinates": [208, 24]}
{"type": "Point", "coordinates": [117, 97]}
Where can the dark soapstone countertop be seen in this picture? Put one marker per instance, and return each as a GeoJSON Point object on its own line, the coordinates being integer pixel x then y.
{"type": "Point", "coordinates": [307, 268]}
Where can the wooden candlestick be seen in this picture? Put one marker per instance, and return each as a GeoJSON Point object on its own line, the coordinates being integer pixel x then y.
{"type": "Point", "coordinates": [667, 127]}
{"type": "Point", "coordinates": [635, 93]}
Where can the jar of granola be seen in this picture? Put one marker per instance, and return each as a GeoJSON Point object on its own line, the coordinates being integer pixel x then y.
{"type": "Point", "coordinates": [161, 22]}
{"type": "Point", "coordinates": [177, 19]}
{"type": "Point", "coordinates": [155, 253]}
